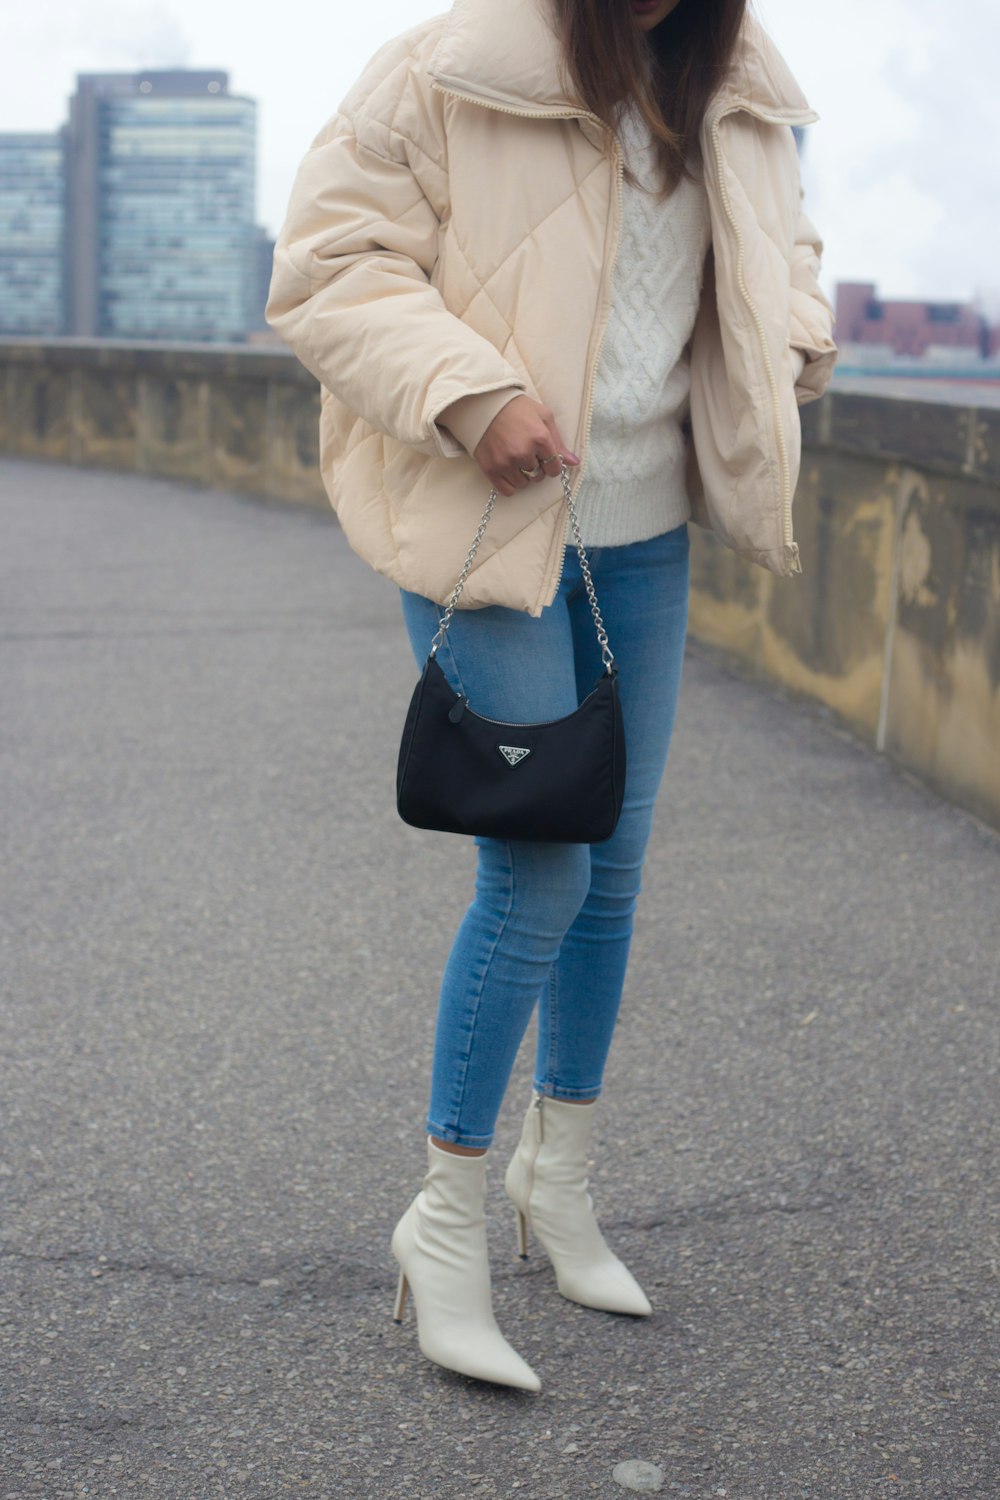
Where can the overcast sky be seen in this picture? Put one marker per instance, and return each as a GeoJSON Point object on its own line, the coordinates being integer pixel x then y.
{"type": "Point", "coordinates": [902, 172]}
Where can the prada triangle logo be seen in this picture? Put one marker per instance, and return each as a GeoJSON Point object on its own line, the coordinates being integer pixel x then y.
{"type": "Point", "coordinates": [513, 754]}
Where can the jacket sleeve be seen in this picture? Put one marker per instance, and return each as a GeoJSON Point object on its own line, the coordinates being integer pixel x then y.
{"type": "Point", "coordinates": [469, 418]}
{"type": "Point", "coordinates": [351, 290]}
{"type": "Point", "coordinates": [812, 314]}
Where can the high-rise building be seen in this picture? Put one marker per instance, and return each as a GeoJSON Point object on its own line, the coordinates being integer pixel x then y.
{"type": "Point", "coordinates": [161, 241]}
{"type": "Point", "coordinates": [32, 189]}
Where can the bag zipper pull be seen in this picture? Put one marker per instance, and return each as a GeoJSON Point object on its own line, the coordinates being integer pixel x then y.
{"type": "Point", "coordinates": [457, 710]}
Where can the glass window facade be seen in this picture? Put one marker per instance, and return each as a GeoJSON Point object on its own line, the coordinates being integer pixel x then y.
{"type": "Point", "coordinates": [175, 181]}
{"type": "Point", "coordinates": [32, 188]}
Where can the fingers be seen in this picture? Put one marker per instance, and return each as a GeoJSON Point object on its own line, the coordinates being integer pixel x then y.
{"type": "Point", "coordinates": [522, 445]}
{"type": "Point", "coordinates": [558, 450]}
{"type": "Point", "coordinates": [550, 453]}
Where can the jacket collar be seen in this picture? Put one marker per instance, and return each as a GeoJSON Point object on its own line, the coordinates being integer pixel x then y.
{"type": "Point", "coordinates": [505, 53]}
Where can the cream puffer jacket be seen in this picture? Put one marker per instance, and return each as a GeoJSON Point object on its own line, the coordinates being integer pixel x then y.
{"type": "Point", "coordinates": [452, 231]}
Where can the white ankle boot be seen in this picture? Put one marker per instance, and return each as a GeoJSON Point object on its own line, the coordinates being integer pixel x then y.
{"type": "Point", "coordinates": [547, 1183]}
{"type": "Point", "coordinates": [440, 1244]}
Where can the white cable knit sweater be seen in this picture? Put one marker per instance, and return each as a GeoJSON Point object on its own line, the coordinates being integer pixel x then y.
{"type": "Point", "coordinates": [633, 487]}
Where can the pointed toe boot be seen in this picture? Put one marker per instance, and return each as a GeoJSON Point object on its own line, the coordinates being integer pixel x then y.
{"type": "Point", "coordinates": [440, 1245]}
{"type": "Point", "coordinates": [547, 1184]}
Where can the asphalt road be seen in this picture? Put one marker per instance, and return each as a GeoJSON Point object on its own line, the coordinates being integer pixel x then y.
{"type": "Point", "coordinates": [220, 951]}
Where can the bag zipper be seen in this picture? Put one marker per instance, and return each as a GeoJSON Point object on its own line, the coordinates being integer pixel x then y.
{"type": "Point", "coordinates": [457, 712]}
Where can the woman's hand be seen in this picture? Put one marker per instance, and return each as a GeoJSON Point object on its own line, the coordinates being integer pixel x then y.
{"type": "Point", "coordinates": [522, 432]}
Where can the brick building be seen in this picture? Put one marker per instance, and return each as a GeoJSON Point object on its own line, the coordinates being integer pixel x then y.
{"type": "Point", "coordinates": [911, 329]}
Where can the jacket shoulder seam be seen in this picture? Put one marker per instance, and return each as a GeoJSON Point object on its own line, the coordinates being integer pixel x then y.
{"type": "Point", "coordinates": [393, 161]}
{"type": "Point", "coordinates": [367, 121]}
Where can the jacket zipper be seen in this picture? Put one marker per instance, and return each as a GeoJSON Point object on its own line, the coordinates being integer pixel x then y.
{"type": "Point", "coordinates": [608, 274]}
{"type": "Point", "coordinates": [576, 114]}
{"type": "Point", "coordinates": [608, 269]}
{"type": "Point", "coordinates": [508, 109]}
{"type": "Point", "coordinates": [791, 546]}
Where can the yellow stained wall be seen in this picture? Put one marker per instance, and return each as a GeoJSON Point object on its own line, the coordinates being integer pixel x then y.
{"type": "Point", "coordinates": [894, 622]}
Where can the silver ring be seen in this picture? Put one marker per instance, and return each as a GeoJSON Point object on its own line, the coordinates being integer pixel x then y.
{"type": "Point", "coordinates": [532, 473]}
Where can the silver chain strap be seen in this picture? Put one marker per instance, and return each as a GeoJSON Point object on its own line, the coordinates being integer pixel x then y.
{"type": "Point", "coordinates": [602, 636]}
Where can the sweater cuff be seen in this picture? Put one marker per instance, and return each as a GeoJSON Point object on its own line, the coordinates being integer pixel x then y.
{"type": "Point", "coordinates": [468, 418]}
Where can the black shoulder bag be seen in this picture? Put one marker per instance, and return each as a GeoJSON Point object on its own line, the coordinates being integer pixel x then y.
{"type": "Point", "coordinates": [555, 782]}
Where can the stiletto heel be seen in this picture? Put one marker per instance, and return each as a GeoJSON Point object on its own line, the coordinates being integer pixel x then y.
{"type": "Point", "coordinates": [547, 1180]}
{"type": "Point", "coordinates": [440, 1247]}
{"type": "Point", "coordinates": [401, 1291]}
{"type": "Point", "coordinates": [522, 1234]}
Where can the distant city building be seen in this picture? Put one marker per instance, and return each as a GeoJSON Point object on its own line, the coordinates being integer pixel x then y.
{"type": "Point", "coordinates": [264, 264]}
{"type": "Point", "coordinates": [161, 241]}
{"type": "Point", "coordinates": [914, 329]}
{"type": "Point", "coordinates": [32, 191]}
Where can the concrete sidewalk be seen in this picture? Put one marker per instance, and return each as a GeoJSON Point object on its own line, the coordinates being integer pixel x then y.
{"type": "Point", "coordinates": [220, 951]}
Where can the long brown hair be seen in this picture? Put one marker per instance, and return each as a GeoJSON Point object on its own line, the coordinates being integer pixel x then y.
{"type": "Point", "coordinates": [670, 72]}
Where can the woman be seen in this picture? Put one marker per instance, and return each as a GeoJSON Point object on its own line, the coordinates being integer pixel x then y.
{"type": "Point", "coordinates": [534, 224]}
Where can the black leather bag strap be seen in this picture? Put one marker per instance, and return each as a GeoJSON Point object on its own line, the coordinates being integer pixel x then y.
{"type": "Point", "coordinates": [602, 636]}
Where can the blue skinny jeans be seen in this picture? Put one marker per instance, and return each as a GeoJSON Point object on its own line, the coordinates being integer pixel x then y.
{"type": "Point", "coordinates": [551, 924]}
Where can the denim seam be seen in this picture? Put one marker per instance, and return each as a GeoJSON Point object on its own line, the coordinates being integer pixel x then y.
{"type": "Point", "coordinates": [478, 1140]}
{"type": "Point", "coordinates": [553, 1021]}
{"type": "Point", "coordinates": [547, 1084]}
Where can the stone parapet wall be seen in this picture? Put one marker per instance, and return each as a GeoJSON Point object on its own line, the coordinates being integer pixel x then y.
{"type": "Point", "coordinates": [230, 418]}
{"type": "Point", "coordinates": [894, 623]}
